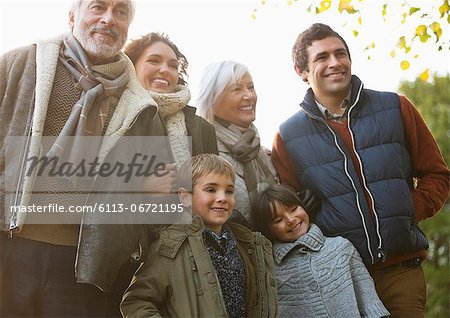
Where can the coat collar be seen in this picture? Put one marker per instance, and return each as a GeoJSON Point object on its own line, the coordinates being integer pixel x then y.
{"type": "Point", "coordinates": [133, 101]}
{"type": "Point", "coordinates": [309, 102]}
{"type": "Point", "coordinates": [313, 240]}
{"type": "Point", "coordinates": [173, 236]}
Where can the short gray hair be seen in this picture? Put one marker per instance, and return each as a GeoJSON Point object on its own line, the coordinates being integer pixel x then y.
{"type": "Point", "coordinates": [77, 3]}
{"type": "Point", "coordinates": [216, 77]}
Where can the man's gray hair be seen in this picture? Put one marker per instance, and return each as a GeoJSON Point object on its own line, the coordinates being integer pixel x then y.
{"type": "Point", "coordinates": [216, 77]}
{"type": "Point", "coordinates": [77, 3]}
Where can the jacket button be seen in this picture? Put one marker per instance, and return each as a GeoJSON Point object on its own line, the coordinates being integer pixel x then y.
{"type": "Point", "coordinates": [313, 286]}
{"type": "Point", "coordinates": [250, 251]}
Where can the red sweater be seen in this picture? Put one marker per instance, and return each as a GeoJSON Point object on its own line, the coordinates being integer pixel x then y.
{"type": "Point", "coordinates": [428, 168]}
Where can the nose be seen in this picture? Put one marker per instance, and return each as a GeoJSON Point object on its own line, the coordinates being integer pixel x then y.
{"type": "Point", "coordinates": [108, 17]}
{"type": "Point", "coordinates": [334, 61]}
{"type": "Point", "coordinates": [221, 196]}
{"type": "Point", "coordinates": [163, 68]}
{"type": "Point", "coordinates": [289, 219]}
{"type": "Point", "coordinates": [249, 94]}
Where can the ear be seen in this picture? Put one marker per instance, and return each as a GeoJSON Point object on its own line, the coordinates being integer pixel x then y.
{"type": "Point", "coordinates": [71, 20]}
{"type": "Point", "coordinates": [185, 197]}
{"type": "Point", "coordinates": [302, 73]}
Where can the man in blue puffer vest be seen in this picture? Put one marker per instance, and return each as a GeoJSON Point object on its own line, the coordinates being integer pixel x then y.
{"type": "Point", "coordinates": [371, 161]}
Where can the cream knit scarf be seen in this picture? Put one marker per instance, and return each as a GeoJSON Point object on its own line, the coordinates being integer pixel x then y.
{"type": "Point", "coordinates": [170, 106]}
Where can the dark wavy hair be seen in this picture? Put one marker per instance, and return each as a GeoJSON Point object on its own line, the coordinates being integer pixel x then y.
{"type": "Point", "coordinates": [317, 31]}
{"type": "Point", "coordinates": [136, 47]}
{"type": "Point", "coordinates": [264, 208]}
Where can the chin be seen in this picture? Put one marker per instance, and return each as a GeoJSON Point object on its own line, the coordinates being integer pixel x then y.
{"type": "Point", "coordinates": [160, 90]}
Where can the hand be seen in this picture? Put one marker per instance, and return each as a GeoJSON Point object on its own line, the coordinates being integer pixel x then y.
{"type": "Point", "coordinates": [162, 184]}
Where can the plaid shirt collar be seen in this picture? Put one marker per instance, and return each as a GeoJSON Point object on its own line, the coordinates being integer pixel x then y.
{"type": "Point", "coordinates": [344, 105]}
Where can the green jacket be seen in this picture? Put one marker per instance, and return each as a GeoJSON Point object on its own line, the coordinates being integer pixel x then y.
{"type": "Point", "coordinates": [178, 278]}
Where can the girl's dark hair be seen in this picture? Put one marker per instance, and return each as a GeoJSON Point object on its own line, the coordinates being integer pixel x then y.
{"type": "Point", "coordinates": [264, 207]}
{"type": "Point", "coordinates": [136, 47]}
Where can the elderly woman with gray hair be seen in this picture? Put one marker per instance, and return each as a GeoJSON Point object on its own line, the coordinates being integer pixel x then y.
{"type": "Point", "coordinates": [227, 99]}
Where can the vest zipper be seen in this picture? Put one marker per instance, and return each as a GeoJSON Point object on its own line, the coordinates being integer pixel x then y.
{"type": "Point", "coordinates": [380, 252]}
{"type": "Point", "coordinates": [356, 192]}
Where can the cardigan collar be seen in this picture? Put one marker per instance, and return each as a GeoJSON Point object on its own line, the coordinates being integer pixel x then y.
{"type": "Point", "coordinates": [313, 240]}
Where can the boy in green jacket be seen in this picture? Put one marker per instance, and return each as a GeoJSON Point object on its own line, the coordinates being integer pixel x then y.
{"type": "Point", "coordinates": [210, 268]}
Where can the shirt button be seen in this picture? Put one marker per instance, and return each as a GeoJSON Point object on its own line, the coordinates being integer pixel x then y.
{"type": "Point", "coordinates": [313, 286]}
{"type": "Point", "coordinates": [250, 251]}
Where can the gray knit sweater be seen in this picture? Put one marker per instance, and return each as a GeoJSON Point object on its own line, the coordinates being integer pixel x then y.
{"type": "Point", "coordinates": [321, 276]}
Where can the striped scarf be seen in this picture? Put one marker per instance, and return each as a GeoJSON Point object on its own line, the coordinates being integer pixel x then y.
{"type": "Point", "coordinates": [88, 115]}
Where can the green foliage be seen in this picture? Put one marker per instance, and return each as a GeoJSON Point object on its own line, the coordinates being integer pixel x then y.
{"type": "Point", "coordinates": [437, 265]}
{"type": "Point", "coordinates": [432, 99]}
{"type": "Point", "coordinates": [433, 102]}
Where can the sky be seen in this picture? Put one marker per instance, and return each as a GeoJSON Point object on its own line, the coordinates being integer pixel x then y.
{"type": "Point", "coordinates": [256, 34]}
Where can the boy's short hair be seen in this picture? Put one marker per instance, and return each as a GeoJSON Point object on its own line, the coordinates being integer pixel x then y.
{"type": "Point", "coordinates": [264, 207]}
{"type": "Point", "coordinates": [317, 31]}
{"type": "Point", "coordinates": [201, 165]}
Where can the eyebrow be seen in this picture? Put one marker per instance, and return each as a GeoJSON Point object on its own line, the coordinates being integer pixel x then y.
{"type": "Point", "coordinates": [320, 54]}
{"type": "Point", "coordinates": [216, 184]}
{"type": "Point", "coordinates": [160, 55]}
{"type": "Point", "coordinates": [121, 4]}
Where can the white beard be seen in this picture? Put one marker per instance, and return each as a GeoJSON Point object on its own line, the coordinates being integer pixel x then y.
{"type": "Point", "coordinates": [97, 48]}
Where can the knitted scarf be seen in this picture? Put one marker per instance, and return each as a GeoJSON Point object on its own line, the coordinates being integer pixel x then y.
{"type": "Point", "coordinates": [89, 113]}
{"type": "Point", "coordinates": [244, 146]}
{"type": "Point", "coordinates": [170, 107]}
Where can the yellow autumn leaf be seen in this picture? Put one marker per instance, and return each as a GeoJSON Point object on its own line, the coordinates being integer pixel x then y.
{"type": "Point", "coordinates": [445, 8]}
{"type": "Point", "coordinates": [425, 75]}
{"type": "Point", "coordinates": [413, 10]}
{"type": "Point", "coordinates": [401, 42]}
{"type": "Point", "coordinates": [392, 53]}
{"type": "Point", "coordinates": [437, 30]}
{"type": "Point", "coordinates": [355, 33]}
{"type": "Point", "coordinates": [403, 17]}
{"type": "Point", "coordinates": [324, 6]}
{"type": "Point", "coordinates": [346, 5]}
{"type": "Point", "coordinates": [421, 30]}
{"type": "Point", "coordinates": [359, 20]}
{"type": "Point", "coordinates": [290, 2]}
{"type": "Point", "coordinates": [370, 46]}
{"type": "Point", "coordinates": [263, 2]}
{"type": "Point", "coordinates": [404, 65]}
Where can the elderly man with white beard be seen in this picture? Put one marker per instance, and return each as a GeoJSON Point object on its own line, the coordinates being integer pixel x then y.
{"type": "Point", "coordinates": [79, 84]}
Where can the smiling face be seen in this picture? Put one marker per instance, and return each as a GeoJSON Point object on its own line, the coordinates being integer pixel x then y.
{"type": "Point", "coordinates": [157, 68]}
{"type": "Point", "coordinates": [329, 69]}
{"type": "Point", "coordinates": [213, 200]}
{"type": "Point", "coordinates": [238, 103]}
{"type": "Point", "coordinates": [101, 27]}
{"type": "Point", "coordinates": [289, 223]}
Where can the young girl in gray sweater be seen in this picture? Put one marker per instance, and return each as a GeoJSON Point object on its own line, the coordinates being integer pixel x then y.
{"type": "Point", "coordinates": [317, 276]}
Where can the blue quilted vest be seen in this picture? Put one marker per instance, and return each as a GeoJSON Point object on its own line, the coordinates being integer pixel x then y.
{"type": "Point", "coordinates": [324, 165]}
